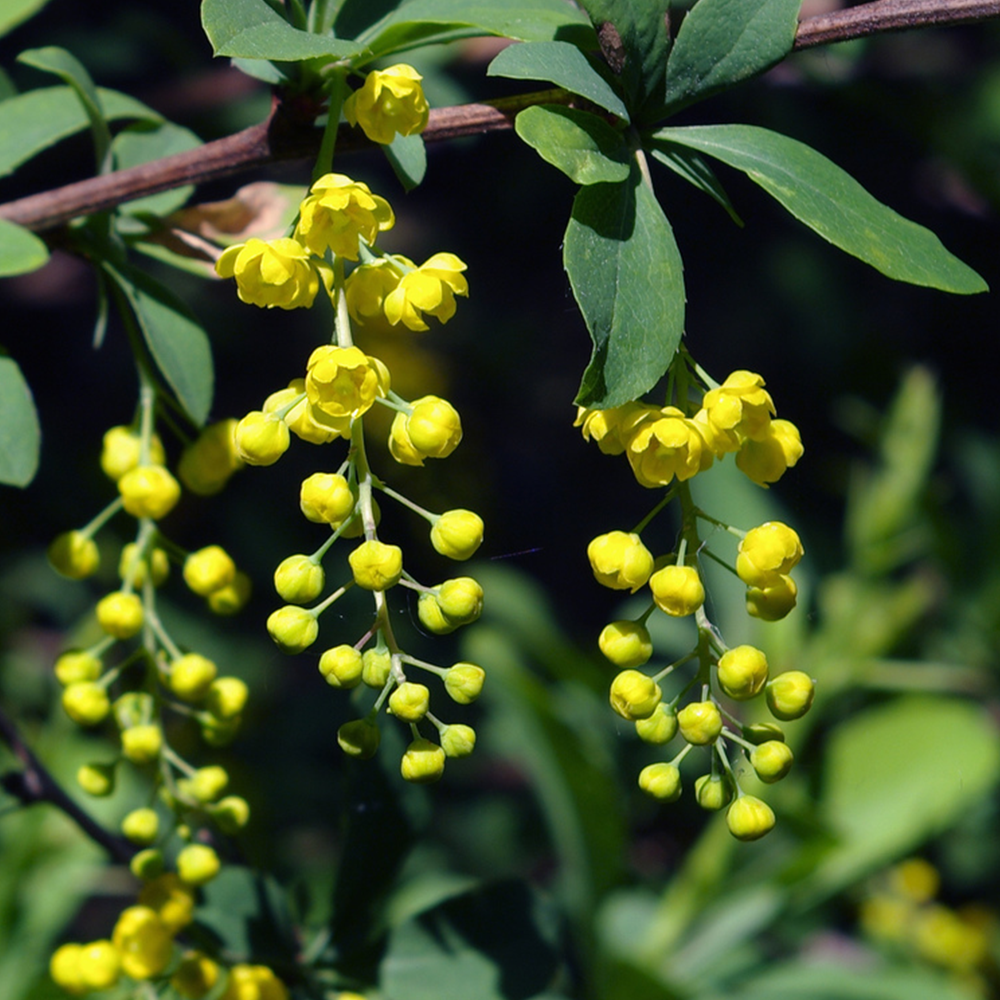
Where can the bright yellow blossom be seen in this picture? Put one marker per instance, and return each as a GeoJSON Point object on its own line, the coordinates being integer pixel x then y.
{"type": "Point", "coordinates": [338, 212]}
{"type": "Point", "coordinates": [344, 381]}
{"type": "Point", "coordinates": [430, 288]}
{"type": "Point", "coordinates": [271, 273]}
{"type": "Point", "coordinates": [390, 102]}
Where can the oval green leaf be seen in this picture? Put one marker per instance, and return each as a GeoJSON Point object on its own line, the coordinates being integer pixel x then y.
{"type": "Point", "coordinates": [832, 203]}
{"type": "Point", "coordinates": [20, 435]}
{"type": "Point", "coordinates": [21, 251]}
{"type": "Point", "coordinates": [581, 145]}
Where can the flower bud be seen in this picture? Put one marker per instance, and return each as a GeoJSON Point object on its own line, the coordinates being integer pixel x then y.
{"type": "Point", "coordinates": [147, 864]}
{"type": "Point", "coordinates": [767, 552]}
{"type": "Point", "coordinates": [742, 672]}
{"type": "Point", "coordinates": [677, 590]}
{"type": "Point", "coordinates": [464, 682]}
{"type": "Point", "coordinates": [376, 665]}
{"type": "Point", "coordinates": [433, 429]}
{"type": "Point", "coordinates": [789, 695]}
{"type": "Point", "coordinates": [293, 629]}
{"type": "Point", "coordinates": [661, 781]}
{"type": "Point", "coordinates": [227, 697]}
{"type": "Point", "coordinates": [218, 732]}
{"type": "Point", "coordinates": [99, 965]}
{"type": "Point", "coordinates": [96, 779]}
{"type": "Point", "coordinates": [457, 534]}
{"type": "Point", "coordinates": [64, 968]}
{"type": "Point", "coordinates": [700, 722]}
{"type": "Point", "coordinates": [142, 744]}
{"type": "Point", "coordinates": [86, 703]}
{"type": "Point", "coordinates": [432, 617]}
{"type": "Point", "coordinates": [207, 463]}
{"type": "Point", "coordinates": [761, 732]}
{"type": "Point", "coordinates": [713, 792]}
{"type": "Point", "coordinates": [620, 560]}
{"type": "Point", "coordinates": [326, 498]}
{"type": "Point", "coordinates": [198, 864]}
{"type": "Point", "coordinates": [74, 555]}
{"type": "Point", "coordinates": [359, 738]}
{"type": "Point", "coordinates": [748, 818]}
{"type": "Point", "coordinates": [375, 565]}
{"type": "Point", "coordinates": [231, 814]}
{"type": "Point", "coordinates": [658, 728]}
{"type": "Point", "coordinates": [134, 570]}
{"type": "Point", "coordinates": [209, 569]}
{"type": "Point", "coordinates": [461, 599]}
{"type": "Point", "coordinates": [232, 598]}
{"type": "Point", "coordinates": [342, 666]}
{"type": "Point", "coordinates": [634, 695]}
{"type": "Point", "coordinates": [195, 975]}
{"type": "Point", "coordinates": [120, 614]}
{"type": "Point", "coordinates": [771, 760]}
{"type": "Point", "coordinates": [261, 438]}
{"type": "Point", "coordinates": [774, 602]}
{"type": "Point", "coordinates": [764, 459]}
{"type": "Point", "coordinates": [299, 580]}
{"type": "Point", "coordinates": [191, 676]}
{"type": "Point", "coordinates": [423, 762]}
{"type": "Point", "coordinates": [208, 783]}
{"type": "Point", "coordinates": [458, 740]}
{"type": "Point", "coordinates": [141, 826]}
{"type": "Point", "coordinates": [149, 491]}
{"type": "Point", "coordinates": [134, 708]}
{"type": "Point", "coordinates": [121, 449]}
{"type": "Point", "coordinates": [77, 665]}
{"type": "Point", "coordinates": [626, 644]}
{"type": "Point", "coordinates": [409, 702]}
{"type": "Point", "coordinates": [170, 899]}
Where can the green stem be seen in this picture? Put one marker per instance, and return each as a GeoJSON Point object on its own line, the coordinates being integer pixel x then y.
{"type": "Point", "coordinates": [337, 91]}
{"type": "Point", "coordinates": [426, 514]}
{"type": "Point", "coordinates": [96, 523]}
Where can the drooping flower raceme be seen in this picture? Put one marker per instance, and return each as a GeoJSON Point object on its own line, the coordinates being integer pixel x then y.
{"type": "Point", "coordinates": [338, 212]}
{"type": "Point", "coordinates": [391, 102]}
{"type": "Point", "coordinates": [276, 273]}
{"type": "Point", "coordinates": [344, 381]}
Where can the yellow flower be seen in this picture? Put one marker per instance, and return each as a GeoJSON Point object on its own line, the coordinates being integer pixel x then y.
{"type": "Point", "coordinates": [634, 695]}
{"type": "Point", "coordinates": [433, 429]}
{"type": "Point", "coordinates": [605, 426]}
{"type": "Point", "coordinates": [430, 288]}
{"type": "Point", "coordinates": [367, 286]}
{"type": "Point", "coordinates": [391, 101]}
{"type": "Point", "coordinates": [768, 552]}
{"type": "Point", "coordinates": [665, 444]}
{"type": "Point", "coordinates": [740, 408]}
{"type": "Point", "coordinates": [338, 212]}
{"type": "Point", "coordinates": [274, 273]}
{"type": "Point", "coordinates": [765, 459]}
{"type": "Point", "coordinates": [303, 419]}
{"type": "Point", "coordinates": [620, 560]}
{"type": "Point", "coordinates": [144, 942]}
{"type": "Point", "coordinates": [344, 381]}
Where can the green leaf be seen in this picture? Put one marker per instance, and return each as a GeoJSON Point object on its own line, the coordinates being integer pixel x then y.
{"type": "Point", "coordinates": [21, 251]}
{"type": "Point", "coordinates": [831, 202]}
{"type": "Point", "coordinates": [897, 774]}
{"type": "Point", "coordinates": [627, 276]}
{"type": "Point", "coordinates": [421, 21]}
{"type": "Point", "coordinates": [494, 943]}
{"type": "Point", "coordinates": [253, 29]}
{"type": "Point", "coordinates": [581, 145]}
{"type": "Point", "coordinates": [20, 435]}
{"type": "Point", "coordinates": [408, 158]}
{"type": "Point", "coordinates": [38, 119]}
{"type": "Point", "coordinates": [722, 42]}
{"type": "Point", "coordinates": [176, 341]}
{"type": "Point", "coordinates": [13, 12]}
{"type": "Point", "coordinates": [559, 63]}
{"type": "Point", "coordinates": [144, 143]}
{"type": "Point", "coordinates": [688, 164]}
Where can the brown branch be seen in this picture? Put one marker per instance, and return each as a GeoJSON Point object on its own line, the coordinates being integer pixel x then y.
{"type": "Point", "coordinates": [33, 784]}
{"type": "Point", "coordinates": [288, 134]}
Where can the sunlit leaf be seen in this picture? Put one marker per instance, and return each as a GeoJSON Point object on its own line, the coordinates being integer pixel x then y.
{"type": "Point", "coordinates": [21, 251]}
{"type": "Point", "coordinates": [20, 435]}
{"type": "Point", "coordinates": [581, 145]}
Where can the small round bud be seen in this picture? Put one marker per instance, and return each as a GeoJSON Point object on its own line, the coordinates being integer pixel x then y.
{"type": "Point", "coordinates": [457, 534]}
{"type": "Point", "coordinates": [198, 864]}
{"type": "Point", "coordinates": [147, 864]}
{"type": "Point", "coordinates": [661, 781]}
{"type": "Point", "coordinates": [133, 569]}
{"type": "Point", "coordinates": [208, 570]}
{"type": "Point", "coordinates": [141, 826]}
{"type": "Point", "coordinates": [86, 703]}
{"type": "Point", "coordinates": [170, 899]}
{"type": "Point", "coordinates": [458, 740]}
{"type": "Point", "coordinates": [74, 555]}
{"type": "Point", "coordinates": [293, 629]}
{"type": "Point", "coordinates": [77, 665]}
{"type": "Point", "coordinates": [713, 792]}
{"type": "Point", "coordinates": [191, 676]}
{"type": "Point", "coordinates": [620, 560]}
{"type": "Point", "coordinates": [423, 762]}
{"type": "Point", "coordinates": [359, 738]}
{"type": "Point", "coordinates": [626, 644]}
{"type": "Point", "coordinates": [121, 449]}
{"type": "Point", "coordinates": [64, 968]}
{"type": "Point", "coordinates": [761, 732]}
{"type": "Point", "coordinates": [375, 565]}
{"type": "Point", "coordinates": [299, 580]}
{"type": "Point", "coordinates": [677, 590]}
{"type": "Point", "coordinates": [261, 438]}
{"type": "Point", "coordinates": [634, 695]}
{"type": "Point", "coordinates": [207, 463]}
{"type": "Point", "coordinates": [767, 552]}
{"type": "Point", "coordinates": [99, 965]}
{"type": "Point", "coordinates": [227, 697]}
{"type": "Point", "coordinates": [208, 783]}
{"type": "Point", "coordinates": [342, 666]}
{"type": "Point", "coordinates": [410, 701]}
{"type": "Point", "coordinates": [195, 976]}
{"type": "Point", "coordinates": [219, 732]}
{"type": "Point", "coordinates": [790, 695]}
{"type": "Point", "coordinates": [96, 779]}
{"type": "Point", "coordinates": [232, 598]}
{"type": "Point", "coordinates": [771, 760]}
{"type": "Point", "coordinates": [434, 427]}
{"type": "Point", "coordinates": [231, 814]}
{"type": "Point", "coordinates": [700, 722]}
{"type": "Point", "coordinates": [773, 602]}
{"type": "Point", "coordinates": [326, 498]}
{"type": "Point", "coordinates": [120, 614]}
{"type": "Point", "coordinates": [461, 599]}
{"type": "Point", "coordinates": [658, 728]}
{"type": "Point", "coordinates": [432, 617]}
{"type": "Point", "coordinates": [464, 682]}
{"type": "Point", "coordinates": [134, 708]}
{"type": "Point", "coordinates": [742, 672]}
{"type": "Point", "coordinates": [142, 744]}
{"type": "Point", "coordinates": [376, 665]}
{"type": "Point", "coordinates": [149, 491]}
{"type": "Point", "coordinates": [749, 818]}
